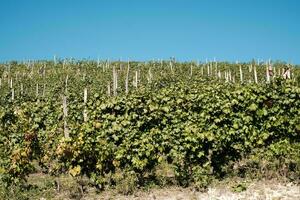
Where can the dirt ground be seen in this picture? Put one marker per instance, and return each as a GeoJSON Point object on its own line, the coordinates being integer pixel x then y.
{"type": "Point", "coordinates": [226, 189]}
{"type": "Point", "coordinates": [262, 190]}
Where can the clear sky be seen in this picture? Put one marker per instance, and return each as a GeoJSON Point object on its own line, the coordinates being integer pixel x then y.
{"type": "Point", "coordinates": [150, 29]}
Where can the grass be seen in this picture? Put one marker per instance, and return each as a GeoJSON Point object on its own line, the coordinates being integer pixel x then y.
{"type": "Point", "coordinates": [44, 187]}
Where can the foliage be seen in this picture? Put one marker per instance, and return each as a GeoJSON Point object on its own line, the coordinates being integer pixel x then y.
{"type": "Point", "coordinates": [198, 125]}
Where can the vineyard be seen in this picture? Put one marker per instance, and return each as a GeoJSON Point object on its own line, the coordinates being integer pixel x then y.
{"type": "Point", "coordinates": [140, 122]}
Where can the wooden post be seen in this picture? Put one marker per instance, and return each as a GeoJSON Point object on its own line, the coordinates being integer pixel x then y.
{"type": "Point", "coordinates": [288, 71]}
{"type": "Point", "coordinates": [149, 75]}
{"type": "Point", "coordinates": [139, 73]}
{"type": "Point", "coordinates": [127, 78]}
{"type": "Point", "coordinates": [116, 76]}
{"type": "Point", "coordinates": [108, 89]}
{"type": "Point", "coordinates": [37, 90]}
{"type": "Point", "coordinates": [216, 68]}
{"type": "Point", "coordinates": [171, 67]}
{"type": "Point", "coordinates": [267, 74]}
{"type": "Point", "coordinates": [85, 102]}
{"type": "Point", "coordinates": [255, 74]}
{"type": "Point", "coordinates": [44, 71]}
{"type": "Point", "coordinates": [115, 81]}
{"type": "Point", "coordinates": [106, 65]}
{"type": "Point", "coordinates": [21, 88]}
{"type": "Point", "coordinates": [241, 74]}
{"type": "Point", "coordinates": [66, 83]}
{"type": "Point", "coordinates": [191, 70]}
{"type": "Point", "coordinates": [216, 63]}
{"type": "Point", "coordinates": [65, 112]}
{"type": "Point", "coordinates": [136, 79]}
{"type": "Point", "coordinates": [32, 66]}
{"type": "Point", "coordinates": [226, 76]}
{"type": "Point", "coordinates": [12, 94]}
{"type": "Point", "coordinates": [211, 69]}
{"type": "Point", "coordinates": [207, 69]}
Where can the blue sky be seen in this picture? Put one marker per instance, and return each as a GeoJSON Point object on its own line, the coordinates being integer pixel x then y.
{"type": "Point", "coordinates": [153, 29]}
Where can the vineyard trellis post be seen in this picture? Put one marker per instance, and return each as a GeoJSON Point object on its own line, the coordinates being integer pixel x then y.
{"type": "Point", "coordinates": [149, 75]}
{"type": "Point", "coordinates": [66, 83]}
{"type": "Point", "coordinates": [65, 116]}
{"type": "Point", "coordinates": [44, 70]}
{"type": "Point", "coordinates": [108, 89]}
{"type": "Point", "coordinates": [127, 78]}
{"type": "Point", "coordinates": [208, 69]}
{"type": "Point", "coordinates": [21, 88]}
{"type": "Point", "coordinates": [226, 76]}
{"type": "Point", "coordinates": [115, 81]}
{"type": "Point", "coordinates": [216, 68]}
{"type": "Point", "coordinates": [85, 117]}
{"type": "Point", "coordinates": [241, 74]}
{"type": "Point", "coordinates": [267, 74]}
{"type": "Point", "coordinates": [255, 74]}
{"type": "Point", "coordinates": [136, 79]}
{"type": "Point", "coordinates": [44, 89]}
{"type": "Point", "coordinates": [98, 62]}
{"type": "Point", "coordinates": [250, 68]}
{"type": "Point", "coordinates": [12, 94]}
